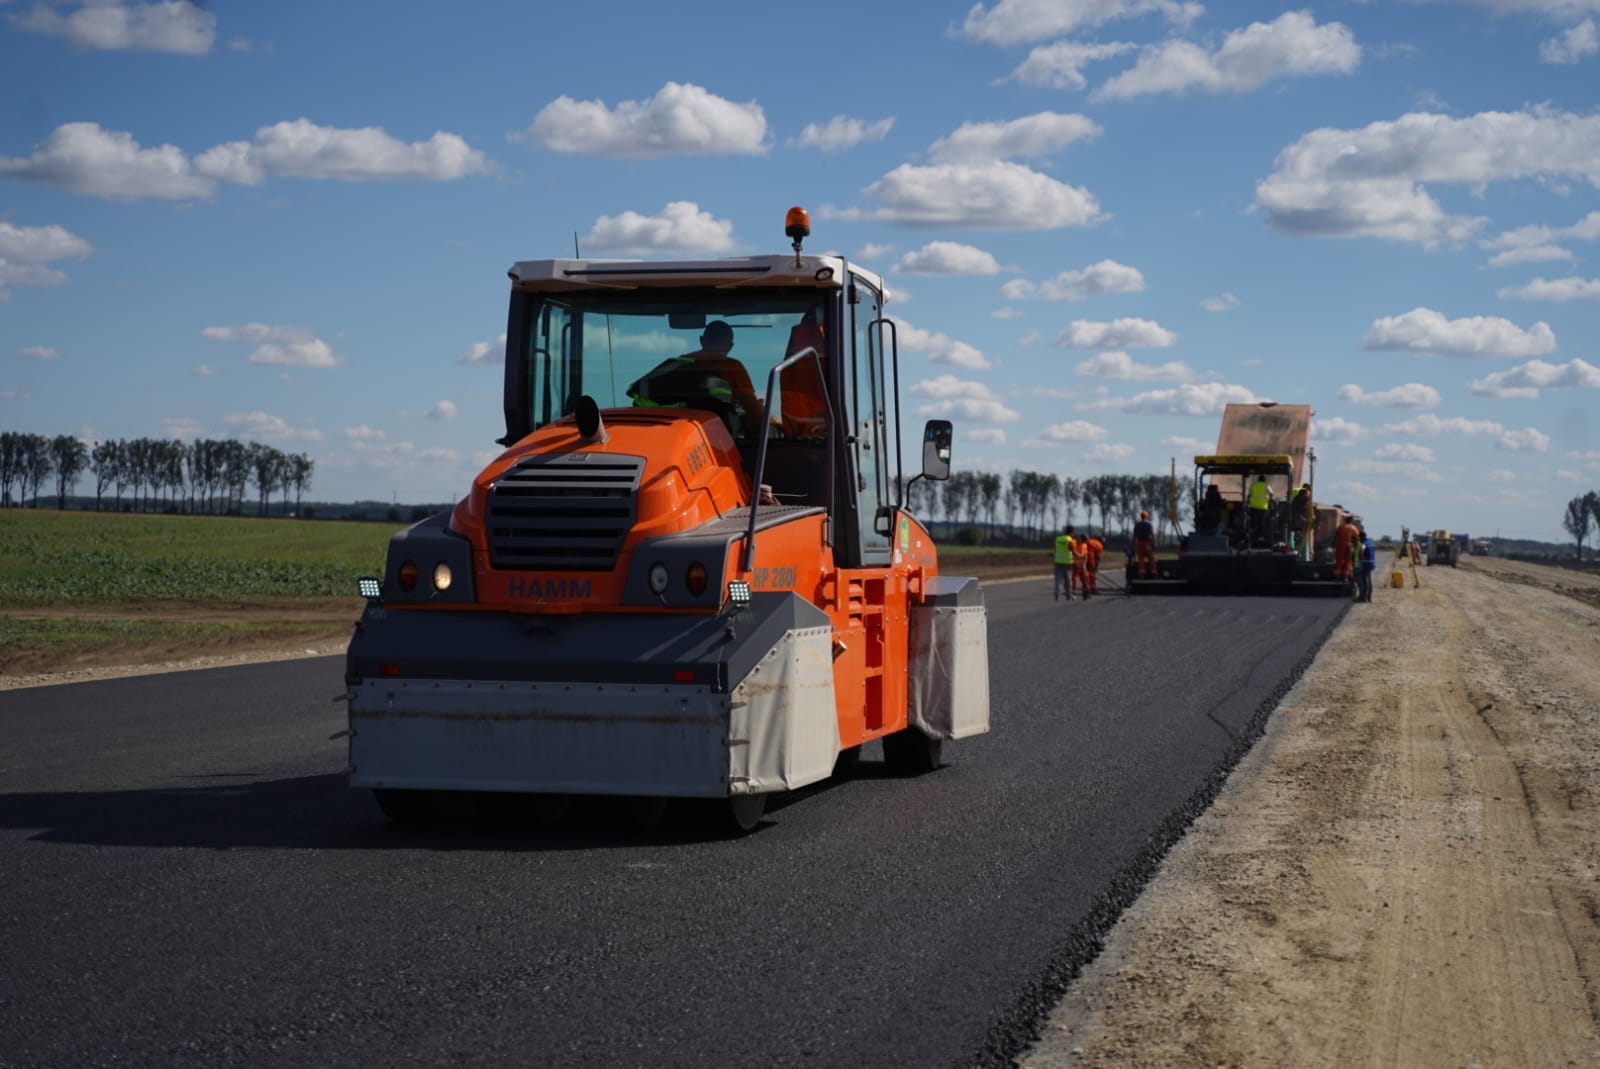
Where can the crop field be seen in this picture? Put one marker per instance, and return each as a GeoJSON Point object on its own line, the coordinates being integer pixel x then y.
{"type": "Point", "coordinates": [48, 558]}
{"type": "Point", "coordinates": [85, 588]}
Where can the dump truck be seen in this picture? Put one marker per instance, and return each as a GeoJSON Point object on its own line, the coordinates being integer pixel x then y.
{"type": "Point", "coordinates": [1235, 549]}
{"type": "Point", "coordinates": [673, 582]}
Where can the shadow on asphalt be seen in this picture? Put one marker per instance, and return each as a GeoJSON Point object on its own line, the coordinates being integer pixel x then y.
{"type": "Point", "coordinates": [322, 813]}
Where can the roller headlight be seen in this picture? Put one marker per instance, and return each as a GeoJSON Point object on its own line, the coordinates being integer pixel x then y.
{"type": "Point", "coordinates": [658, 579]}
{"type": "Point", "coordinates": [441, 577]}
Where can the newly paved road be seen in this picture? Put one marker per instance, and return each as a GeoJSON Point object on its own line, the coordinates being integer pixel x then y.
{"type": "Point", "coordinates": [185, 879]}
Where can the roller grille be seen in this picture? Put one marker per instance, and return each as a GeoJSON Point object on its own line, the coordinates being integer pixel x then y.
{"type": "Point", "coordinates": [569, 512]}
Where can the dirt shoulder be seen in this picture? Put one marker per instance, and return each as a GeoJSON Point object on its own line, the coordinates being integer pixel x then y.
{"type": "Point", "coordinates": [1405, 871]}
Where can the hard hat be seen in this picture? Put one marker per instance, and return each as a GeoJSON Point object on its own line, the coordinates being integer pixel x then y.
{"type": "Point", "coordinates": [1144, 514]}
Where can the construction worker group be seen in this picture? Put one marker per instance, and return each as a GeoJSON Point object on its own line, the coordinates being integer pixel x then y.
{"type": "Point", "coordinates": [1077, 564]}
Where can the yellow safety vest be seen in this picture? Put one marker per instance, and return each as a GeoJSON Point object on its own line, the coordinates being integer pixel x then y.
{"type": "Point", "coordinates": [1064, 553]}
{"type": "Point", "coordinates": [1260, 495]}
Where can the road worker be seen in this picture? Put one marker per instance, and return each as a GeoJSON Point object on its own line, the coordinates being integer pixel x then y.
{"type": "Point", "coordinates": [1144, 546]}
{"type": "Point", "coordinates": [1344, 539]}
{"type": "Point", "coordinates": [1080, 565]}
{"type": "Point", "coordinates": [706, 378]}
{"type": "Point", "coordinates": [1303, 518]}
{"type": "Point", "coordinates": [1260, 504]}
{"type": "Point", "coordinates": [1096, 549]}
{"type": "Point", "coordinates": [800, 387]}
{"type": "Point", "coordinates": [1064, 559]}
{"type": "Point", "coordinates": [1368, 563]}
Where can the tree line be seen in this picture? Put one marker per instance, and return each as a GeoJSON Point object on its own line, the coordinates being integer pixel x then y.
{"type": "Point", "coordinates": [1582, 513]}
{"type": "Point", "coordinates": [1033, 503]}
{"type": "Point", "coordinates": [155, 474]}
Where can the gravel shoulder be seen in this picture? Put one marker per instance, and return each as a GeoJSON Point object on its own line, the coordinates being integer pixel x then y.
{"type": "Point", "coordinates": [1405, 870]}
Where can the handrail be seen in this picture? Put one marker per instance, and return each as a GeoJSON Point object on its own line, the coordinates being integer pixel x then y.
{"type": "Point", "coordinates": [766, 431]}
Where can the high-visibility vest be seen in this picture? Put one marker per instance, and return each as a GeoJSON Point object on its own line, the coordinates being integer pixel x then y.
{"type": "Point", "coordinates": [1260, 495]}
{"type": "Point", "coordinates": [1064, 549]}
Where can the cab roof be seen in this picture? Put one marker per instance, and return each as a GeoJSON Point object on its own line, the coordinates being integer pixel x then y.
{"type": "Point", "coordinates": [819, 272]}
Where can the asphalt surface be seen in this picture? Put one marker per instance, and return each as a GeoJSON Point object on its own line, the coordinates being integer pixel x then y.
{"type": "Point", "coordinates": [185, 880]}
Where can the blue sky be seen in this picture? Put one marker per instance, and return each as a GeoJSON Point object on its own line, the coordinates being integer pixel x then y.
{"type": "Point", "coordinates": [1100, 220]}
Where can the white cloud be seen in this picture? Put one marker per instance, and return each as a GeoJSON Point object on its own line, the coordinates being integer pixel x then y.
{"type": "Point", "coordinates": [444, 411]}
{"type": "Point", "coordinates": [1107, 453]}
{"type": "Point", "coordinates": [1060, 65]}
{"type": "Point", "coordinates": [1501, 475]}
{"type": "Point", "coordinates": [1202, 399]}
{"type": "Point", "coordinates": [39, 352]}
{"type": "Point", "coordinates": [1011, 22]}
{"type": "Point", "coordinates": [204, 371]}
{"type": "Point", "coordinates": [485, 352]}
{"type": "Point", "coordinates": [81, 157]}
{"type": "Point", "coordinates": [1428, 425]}
{"type": "Point", "coordinates": [1525, 238]}
{"type": "Point", "coordinates": [998, 194]}
{"type": "Point", "coordinates": [1122, 367]}
{"type": "Point", "coordinates": [842, 132]}
{"type": "Point", "coordinates": [1336, 430]}
{"type": "Point", "coordinates": [1423, 330]}
{"type": "Point", "coordinates": [948, 258]}
{"type": "Point", "coordinates": [681, 227]}
{"type": "Point", "coordinates": [1005, 313]}
{"type": "Point", "coordinates": [1291, 44]}
{"type": "Point", "coordinates": [261, 426]}
{"type": "Point", "coordinates": [111, 26]}
{"type": "Point", "coordinates": [1098, 279]}
{"type": "Point", "coordinates": [181, 427]}
{"type": "Point", "coordinates": [1192, 445]}
{"type": "Point", "coordinates": [680, 120]}
{"type": "Point", "coordinates": [364, 433]}
{"type": "Point", "coordinates": [1043, 134]}
{"type": "Point", "coordinates": [1572, 44]}
{"type": "Point", "coordinates": [1078, 430]}
{"type": "Point", "coordinates": [1523, 441]}
{"type": "Point", "coordinates": [1525, 381]}
{"type": "Point", "coordinates": [941, 348]}
{"type": "Point", "coordinates": [1405, 472]}
{"type": "Point", "coordinates": [40, 244]}
{"type": "Point", "coordinates": [1533, 254]}
{"type": "Point", "coordinates": [1406, 451]}
{"type": "Point", "coordinates": [873, 250]}
{"type": "Point", "coordinates": [1223, 302]}
{"type": "Point", "coordinates": [1117, 334]}
{"type": "Point", "coordinates": [1369, 182]}
{"type": "Point", "coordinates": [1555, 289]}
{"type": "Point", "coordinates": [285, 346]}
{"type": "Point", "coordinates": [968, 408]}
{"type": "Point", "coordinates": [992, 435]}
{"type": "Point", "coordinates": [32, 275]}
{"type": "Point", "coordinates": [302, 149]}
{"type": "Point", "coordinates": [948, 386]}
{"type": "Point", "coordinates": [1411, 395]}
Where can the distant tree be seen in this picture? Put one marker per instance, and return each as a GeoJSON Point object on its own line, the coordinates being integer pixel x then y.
{"type": "Point", "coordinates": [989, 489]}
{"type": "Point", "coordinates": [71, 457]}
{"type": "Point", "coordinates": [10, 465]}
{"type": "Point", "coordinates": [36, 465]}
{"type": "Point", "coordinates": [300, 468]}
{"type": "Point", "coordinates": [103, 460]}
{"type": "Point", "coordinates": [1579, 516]}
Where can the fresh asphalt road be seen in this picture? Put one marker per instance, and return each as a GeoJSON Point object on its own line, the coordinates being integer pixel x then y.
{"type": "Point", "coordinates": [185, 880]}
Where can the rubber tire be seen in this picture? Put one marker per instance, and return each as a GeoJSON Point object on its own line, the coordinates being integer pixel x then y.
{"type": "Point", "coordinates": [848, 760]}
{"type": "Point", "coordinates": [912, 752]}
{"type": "Point", "coordinates": [745, 810]}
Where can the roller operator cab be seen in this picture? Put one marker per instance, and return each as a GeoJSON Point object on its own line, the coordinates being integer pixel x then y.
{"type": "Point", "coordinates": [691, 572]}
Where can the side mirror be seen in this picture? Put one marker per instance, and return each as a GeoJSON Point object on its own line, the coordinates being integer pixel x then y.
{"type": "Point", "coordinates": [936, 437]}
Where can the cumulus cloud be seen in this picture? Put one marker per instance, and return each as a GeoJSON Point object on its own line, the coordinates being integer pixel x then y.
{"type": "Point", "coordinates": [1428, 425]}
{"type": "Point", "coordinates": [948, 258]}
{"type": "Point", "coordinates": [1201, 399]}
{"type": "Point", "coordinates": [1523, 441]}
{"type": "Point", "coordinates": [1012, 22]}
{"type": "Point", "coordinates": [1533, 254]}
{"type": "Point", "coordinates": [1410, 395]}
{"type": "Point", "coordinates": [40, 244]}
{"type": "Point", "coordinates": [1222, 302]}
{"type": "Point", "coordinates": [444, 411]}
{"type": "Point", "coordinates": [1525, 381]}
{"type": "Point", "coordinates": [1405, 451]}
{"type": "Point", "coordinates": [111, 26]}
{"type": "Point", "coordinates": [1555, 289]}
{"type": "Point", "coordinates": [287, 346]}
{"type": "Point", "coordinates": [1572, 44]}
{"type": "Point", "coordinates": [81, 157]}
{"type": "Point", "coordinates": [261, 426]}
{"type": "Point", "coordinates": [1291, 44]}
{"type": "Point", "coordinates": [1369, 182]}
{"type": "Point", "coordinates": [1423, 330]}
{"type": "Point", "coordinates": [39, 352]}
{"type": "Point", "coordinates": [1408, 472]}
{"type": "Point", "coordinates": [1537, 243]}
{"type": "Point", "coordinates": [941, 348]}
{"type": "Point", "coordinates": [1078, 430]}
{"type": "Point", "coordinates": [976, 410]}
{"type": "Point", "coordinates": [1180, 441]}
{"type": "Point", "coordinates": [1117, 334]}
{"type": "Point", "coordinates": [680, 120]}
{"type": "Point", "coordinates": [681, 227]}
{"type": "Point", "coordinates": [998, 194]}
{"type": "Point", "coordinates": [1107, 453]}
{"type": "Point", "coordinates": [1336, 430]}
{"type": "Point", "coordinates": [302, 149]}
{"type": "Point", "coordinates": [1096, 280]}
{"type": "Point", "coordinates": [1122, 367]}
{"type": "Point", "coordinates": [842, 132]}
{"type": "Point", "coordinates": [181, 427]}
{"type": "Point", "coordinates": [364, 433]}
{"type": "Point", "coordinates": [485, 352]}
{"type": "Point", "coordinates": [1060, 65]}
{"type": "Point", "coordinates": [1033, 135]}
{"type": "Point", "coordinates": [991, 435]}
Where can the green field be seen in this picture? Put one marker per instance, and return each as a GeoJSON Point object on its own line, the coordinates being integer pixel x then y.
{"type": "Point", "coordinates": [47, 558]}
